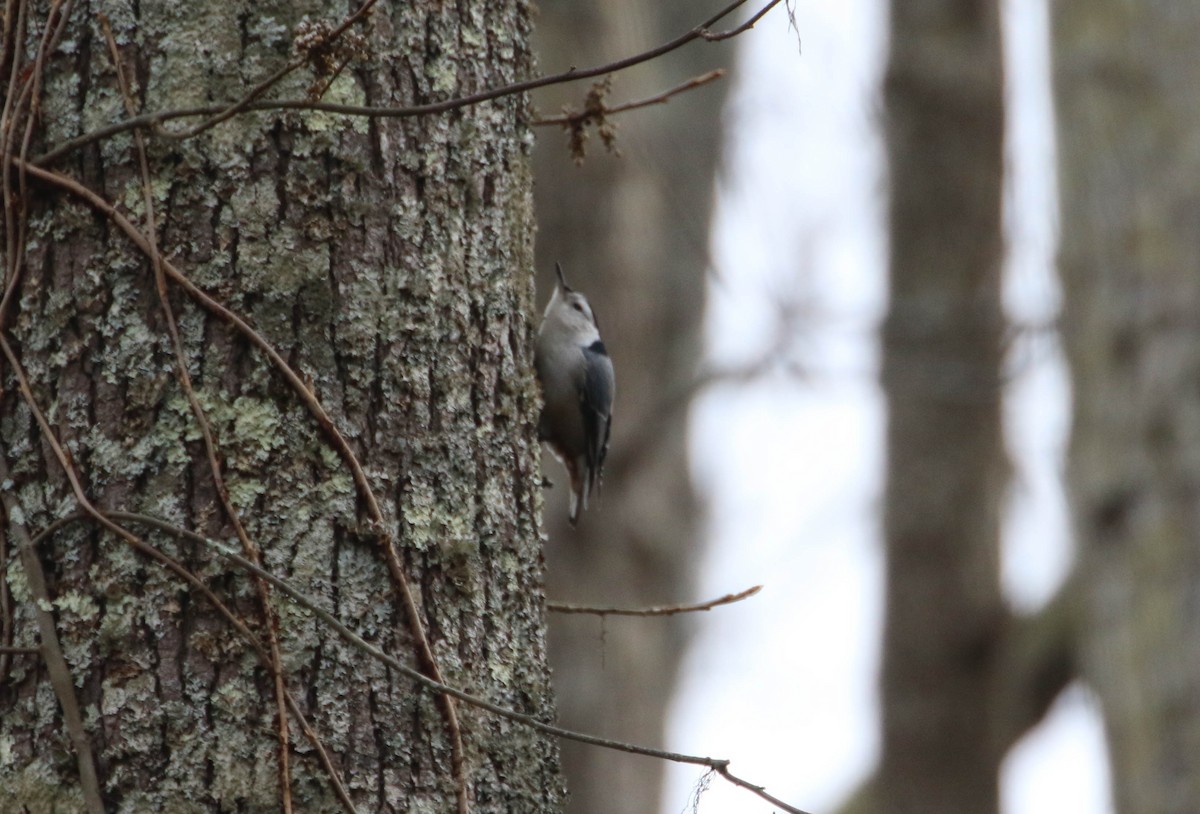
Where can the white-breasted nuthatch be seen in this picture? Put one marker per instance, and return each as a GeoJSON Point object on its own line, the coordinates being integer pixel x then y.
{"type": "Point", "coordinates": [577, 390]}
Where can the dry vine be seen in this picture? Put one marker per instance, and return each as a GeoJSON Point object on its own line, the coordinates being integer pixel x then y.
{"type": "Point", "coordinates": [700, 32]}
{"type": "Point", "coordinates": [328, 49]}
{"type": "Point", "coordinates": [718, 765]}
{"type": "Point", "coordinates": [658, 610]}
{"type": "Point", "coordinates": [270, 618]}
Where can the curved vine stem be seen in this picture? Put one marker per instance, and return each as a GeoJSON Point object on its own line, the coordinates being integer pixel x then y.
{"type": "Point", "coordinates": [324, 421]}
{"type": "Point", "coordinates": [155, 119]}
{"type": "Point", "coordinates": [719, 765]}
{"type": "Point", "coordinates": [270, 618]}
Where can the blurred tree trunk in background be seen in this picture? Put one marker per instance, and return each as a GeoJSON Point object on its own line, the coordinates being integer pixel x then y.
{"type": "Point", "coordinates": [946, 467]}
{"type": "Point", "coordinates": [1127, 84]}
{"type": "Point", "coordinates": [962, 679]}
{"type": "Point", "coordinates": [631, 232]}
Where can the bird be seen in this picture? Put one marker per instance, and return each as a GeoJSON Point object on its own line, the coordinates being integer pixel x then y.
{"type": "Point", "coordinates": [578, 385]}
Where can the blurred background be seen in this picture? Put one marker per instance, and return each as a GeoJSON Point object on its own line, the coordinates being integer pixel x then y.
{"type": "Point", "coordinates": [916, 645]}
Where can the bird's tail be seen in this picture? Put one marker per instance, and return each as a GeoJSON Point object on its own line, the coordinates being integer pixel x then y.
{"type": "Point", "coordinates": [573, 512]}
{"type": "Point", "coordinates": [579, 491]}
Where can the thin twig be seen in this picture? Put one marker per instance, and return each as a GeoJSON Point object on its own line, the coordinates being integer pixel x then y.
{"type": "Point", "coordinates": [432, 108]}
{"type": "Point", "coordinates": [270, 619]}
{"type": "Point", "coordinates": [721, 765]}
{"type": "Point", "coordinates": [659, 610]}
{"type": "Point", "coordinates": [52, 653]}
{"type": "Point", "coordinates": [325, 422]}
{"type": "Point", "coordinates": [711, 36]}
{"type": "Point", "coordinates": [761, 791]}
{"type": "Point", "coordinates": [658, 99]}
{"type": "Point", "coordinates": [20, 651]}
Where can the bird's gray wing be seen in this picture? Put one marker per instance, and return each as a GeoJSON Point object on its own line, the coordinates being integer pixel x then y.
{"type": "Point", "coordinates": [597, 399]}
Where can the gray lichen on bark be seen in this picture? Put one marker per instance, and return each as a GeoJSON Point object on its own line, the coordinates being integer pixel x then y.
{"type": "Point", "coordinates": [390, 262]}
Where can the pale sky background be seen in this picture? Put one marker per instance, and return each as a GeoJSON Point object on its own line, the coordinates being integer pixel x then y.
{"type": "Point", "coordinates": [784, 683]}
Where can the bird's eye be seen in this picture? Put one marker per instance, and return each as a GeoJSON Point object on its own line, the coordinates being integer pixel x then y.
{"type": "Point", "coordinates": [577, 307]}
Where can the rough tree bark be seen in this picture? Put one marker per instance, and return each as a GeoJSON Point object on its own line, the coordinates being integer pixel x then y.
{"type": "Point", "coordinates": [632, 233]}
{"type": "Point", "coordinates": [1127, 85]}
{"type": "Point", "coordinates": [941, 370]}
{"type": "Point", "coordinates": [389, 263]}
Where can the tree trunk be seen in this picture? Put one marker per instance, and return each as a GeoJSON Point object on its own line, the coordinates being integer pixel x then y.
{"type": "Point", "coordinates": [946, 467]}
{"type": "Point", "coordinates": [388, 261]}
{"type": "Point", "coordinates": [1127, 85]}
{"type": "Point", "coordinates": [632, 233]}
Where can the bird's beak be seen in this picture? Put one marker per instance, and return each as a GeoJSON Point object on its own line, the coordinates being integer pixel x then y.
{"type": "Point", "coordinates": [562, 281]}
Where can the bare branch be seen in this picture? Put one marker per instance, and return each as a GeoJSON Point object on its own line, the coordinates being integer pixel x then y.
{"type": "Point", "coordinates": [761, 791]}
{"type": "Point", "coordinates": [583, 116]}
{"type": "Point", "coordinates": [432, 108]}
{"type": "Point", "coordinates": [595, 113]}
{"type": "Point", "coordinates": [744, 27]}
{"type": "Point", "coordinates": [659, 610]}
